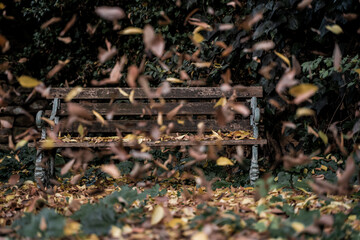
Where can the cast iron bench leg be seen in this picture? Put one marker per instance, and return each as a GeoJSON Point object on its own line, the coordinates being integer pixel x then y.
{"type": "Point", "coordinates": [254, 120]}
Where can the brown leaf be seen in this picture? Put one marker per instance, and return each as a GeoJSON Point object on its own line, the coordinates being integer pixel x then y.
{"type": "Point", "coordinates": [65, 40]}
{"type": "Point", "coordinates": [5, 124]}
{"type": "Point", "coordinates": [57, 68]}
{"type": "Point", "coordinates": [148, 35]}
{"type": "Point", "coordinates": [68, 25]}
{"type": "Point", "coordinates": [49, 22]}
{"type": "Point", "coordinates": [111, 169]}
{"type": "Point", "coordinates": [265, 71]}
{"type": "Point", "coordinates": [67, 167]}
{"type": "Point", "coordinates": [76, 109]}
{"type": "Point", "coordinates": [110, 13]}
{"type": "Point", "coordinates": [132, 75]}
{"type": "Point", "coordinates": [303, 4]}
{"type": "Point", "coordinates": [226, 26]}
{"type": "Point", "coordinates": [241, 108]}
{"type": "Point", "coordinates": [287, 125]}
{"type": "Point", "coordinates": [287, 80]}
{"type": "Point", "coordinates": [350, 16]}
{"type": "Point", "coordinates": [105, 55]}
{"type": "Point", "coordinates": [14, 179]}
{"type": "Point", "coordinates": [43, 224]}
{"type": "Point", "coordinates": [75, 179]}
{"type": "Point", "coordinates": [337, 58]}
{"type": "Point", "coordinates": [251, 20]}
{"type": "Point", "coordinates": [157, 46]}
{"type": "Point", "coordinates": [170, 115]}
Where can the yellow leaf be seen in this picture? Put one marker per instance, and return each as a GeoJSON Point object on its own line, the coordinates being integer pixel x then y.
{"type": "Point", "coordinates": [157, 215]}
{"type": "Point", "coordinates": [352, 217]}
{"type": "Point", "coordinates": [80, 130]}
{"type": "Point", "coordinates": [174, 80]}
{"type": "Point", "coordinates": [99, 117]}
{"type": "Point", "coordinates": [71, 227]}
{"type": "Point", "coordinates": [305, 171]}
{"type": "Point", "coordinates": [131, 30]}
{"type": "Point", "coordinates": [131, 96]}
{"type": "Point", "coordinates": [28, 82]}
{"type": "Point", "coordinates": [198, 29]}
{"type": "Point", "coordinates": [298, 227]}
{"type": "Point", "coordinates": [160, 119]}
{"type": "Point", "coordinates": [300, 112]}
{"type": "Point", "coordinates": [116, 232]}
{"type": "Point", "coordinates": [2, 6]}
{"type": "Point", "coordinates": [336, 29]}
{"type": "Point", "coordinates": [47, 144]}
{"type": "Point", "coordinates": [285, 59]}
{"type": "Point", "coordinates": [223, 161]}
{"type": "Point", "coordinates": [200, 236]}
{"type": "Point", "coordinates": [175, 222]}
{"type": "Point", "coordinates": [323, 137]}
{"type": "Point", "coordinates": [303, 88]}
{"type": "Point", "coordinates": [75, 91]}
{"type": "Point", "coordinates": [323, 167]}
{"type": "Point", "coordinates": [21, 143]}
{"type": "Point", "coordinates": [198, 37]}
{"type": "Point", "coordinates": [50, 122]}
{"type": "Point", "coordinates": [222, 101]}
{"type": "Point", "coordinates": [181, 122]}
{"type": "Point", "coordinates": [357, 70]}
{"type": "Point", "coordinates": [123, 92]}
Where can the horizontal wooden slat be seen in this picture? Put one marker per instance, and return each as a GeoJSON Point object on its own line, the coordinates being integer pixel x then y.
{"type": "Point", "coordinates": [147, 125]}
{"type": "Point", "coordinates": [163, 143]}
{"type": "Point", "coordinates": [175, 93]}
{"type": "Point", "coordinates": [128, 109]}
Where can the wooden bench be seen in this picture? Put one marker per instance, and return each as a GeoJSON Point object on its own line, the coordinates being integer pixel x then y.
{"type": "Point", "coordinates": [197, 106]}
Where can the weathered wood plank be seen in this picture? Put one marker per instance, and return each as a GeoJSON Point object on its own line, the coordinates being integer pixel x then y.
{"type": "Point", "coordinates": [146, 125]}
{"type": "Point", "coordinates": [163, 143]}
{"type": "Point", "coordinates": [128, 109]}
{"type": "Point", "coordinates": [175, 93]}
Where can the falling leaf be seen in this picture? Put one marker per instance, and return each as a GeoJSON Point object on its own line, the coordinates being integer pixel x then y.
{"type": "Point", "coordinates": [57, 68]}
{"type": "Point", "coordinates": [4, 43]}
{"type": "Point", "coordinates": [312, 131]}
{"type": "Point", "coordinates": [298, 227]}
{"type": "Point", "coordinates": [122, 92]}
{"type": "Point", "coordinates": [223, 161]}
{"type": "Point", "coordinates": [287, 125]}
{"type": "Point", "coordinates": [357, 70]}
{"type": "Point", "coordinates": [21, 143]}
{"type": "Point", "coordinates": [337, 58]}
{"type": "Point", "coordinates": [226, 26]}
{"type": "Point", "coordinates": [285, 59]}
{"type": "Point", "coordinates": [99, 117]}
{"type": "Point", "coordinates": [323, 137]}
{"type": "Point", "coordinates": [199, 236]}
{"type": "Point", "coordinates": [105, 55]}
{"type": "Point", "coordinates": [131, 96]}
{"type": "Point", "coordinates": [241, 108]}
{"type": "Point", "coordinates": [13, 179]}
{"type": "Point", "coordinates": [301, 112]}
{"type": "Point", "coordinates": [336, 29]}
{"type": "Point", "coordinates": [170, 115]}
{"type": "Point", "coordinates": [202, 64]}
{"type": "Point", "coordinates": [286, 80]}
{"type": "Point", "coordinates": [67, 167]}
{"type": "Point", "coordinates": [303, 4]}
{"type": "Point", "coordinates": [71, 227]}
{"type": "Point", "coordinates": [68, 25]}
{"type": "Point", "coordinates": [76, 109]}
{"type": "Point", "coordinates": [5, 123]}
{"type": "Point", "coordinates": [251, 20]}
{"type": "Point", "coordinates": [157, 215]}
{"type": "Point", "coordinates": [158, 46]}
{"type": "Point", "coordinates": [222, 102]}
{"type": "Point", "coordinates": [160, 118]}
{"type": "Point", "coordinates": [133, 73]}
{"type": "Point", "coordinates": [73, 93]}
{"type": "Point", "coordinates": [174, 80]}
{"type": "Point", "coordinates": [28, 82]}
{"type": "Point", "coordinates": [131, 31]}
{"type": "Point", "coordinates": [49, 22]}
{"type": "Point", "coordinates": [43, 224]}
{"type": "Point", "coordinates": [303, 91]}
{"type": "Point", "coordinates": [263, 45]}
{"type": "Point", "coordinates": [111, 169]}
{"type": "Point", "coordinates": [198, 38]}
{"type": "Point", "coordinates": [47, 144]}
{"type": "Point", "coordinates": [65, 40]}
{"type": "Point", "coordinates": [80, 130]}
{"type": "Point", "coordinates": [110, 13]}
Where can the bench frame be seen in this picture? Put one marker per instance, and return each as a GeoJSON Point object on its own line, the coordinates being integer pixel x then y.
{"type": "Point", "coordinates": [43, 174]}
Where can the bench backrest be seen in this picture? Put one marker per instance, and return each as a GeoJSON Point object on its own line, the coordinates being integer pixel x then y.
{"type": "Point", "coordinates": [198, 105]}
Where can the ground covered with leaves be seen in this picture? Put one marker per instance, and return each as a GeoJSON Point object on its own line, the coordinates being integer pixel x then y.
{"type": "Point", "coordinates": [186, 206]}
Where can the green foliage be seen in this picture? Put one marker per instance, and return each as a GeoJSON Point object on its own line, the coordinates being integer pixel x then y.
{"type": "Point", "coordinates": [29, 225]}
